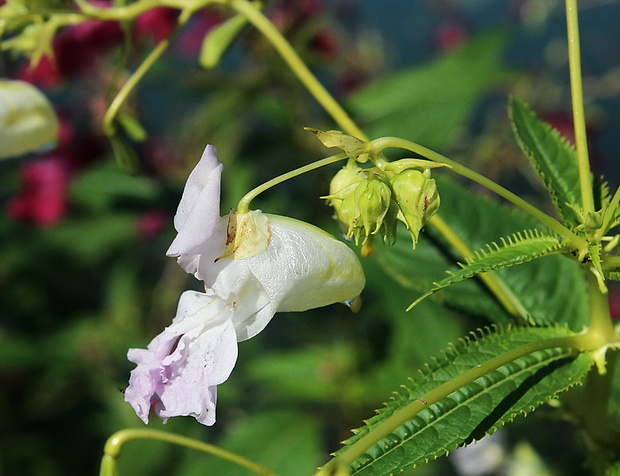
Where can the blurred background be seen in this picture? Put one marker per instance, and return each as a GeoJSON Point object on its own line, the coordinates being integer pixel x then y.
{"type": "Point", "coordinates": [83, 272]}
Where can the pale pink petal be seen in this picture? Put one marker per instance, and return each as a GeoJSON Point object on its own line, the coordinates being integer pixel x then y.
{"type": "Point", "coordinates": [179, 372]}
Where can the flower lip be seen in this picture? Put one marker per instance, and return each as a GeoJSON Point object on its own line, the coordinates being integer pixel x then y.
{"type": "Point", "coordinates": [179, 371]}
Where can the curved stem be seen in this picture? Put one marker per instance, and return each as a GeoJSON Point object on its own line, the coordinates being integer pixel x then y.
{"type": "Point", "coordinates": [494, 283]}
{"type": "Point", "coordinates": [382, 430]}
{"type": "Point", "coordinates": [129, 85]}
{"type": "Point", "coordinates": [581, 141]}
{"type": "Point", "coordinates": [116, 13]}
{"type": "Point", "coordinates": [254, 16]}
{"type": "Point", "coordinates": [244, 203]}
{"type": "Point", "coordinates": [386, 142]}
{"type": "Point", "coordinates": [114, 445]}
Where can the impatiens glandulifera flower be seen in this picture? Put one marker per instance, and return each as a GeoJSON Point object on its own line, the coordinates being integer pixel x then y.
{"type": "Point", "coordinates": [253, 265]}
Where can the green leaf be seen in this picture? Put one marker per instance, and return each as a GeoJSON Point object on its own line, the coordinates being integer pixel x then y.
{"type": "Point", "coordinates": [552, 157]}
{"type": "Point", "coordinates": [101, 187]}
{"type": "Point", "coordinates": [282, 441]}
{"type": "Point", "coordinates": [132, 127]}
{"type": "Point", "coordinates": [551, 289]}
{"type": "Point", "coordinates": [517, 249]}
{"type": "Point", "coordinates": [478, 408]}
{"type": "Point", "coordinates": [218, 39]}
{"type": "Point", "coordinates": [429, 104]}
{"type": "Point", "coordinates": [28, 122]}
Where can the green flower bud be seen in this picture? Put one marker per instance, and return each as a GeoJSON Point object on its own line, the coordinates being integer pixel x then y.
{"type": "Point", "coordinates": [362, 199]}
{"type": "Point", "coordinates": [417, 198]}
{"type": "Point", "coordinates": [341, 196]}
{"type": "Point", "coordinates": [373, 201]}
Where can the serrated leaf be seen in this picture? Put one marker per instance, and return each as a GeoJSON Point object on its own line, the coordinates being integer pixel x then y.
{"type": "Point", "coordinates": [552, 157]}
{"type": "Point", "coordinates": [429, 104]}
{"type": "Point", "coordinates": [515, 250]}
{"type": "Point", "coordinates": [478, 408]}
{"type": "Point", "coordinates": [551, 289]}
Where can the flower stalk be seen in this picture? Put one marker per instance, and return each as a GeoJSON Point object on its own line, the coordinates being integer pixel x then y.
{"type": "Point", "coordinates": [581, 141]}
{"type": "Point", "coordinates": [388, 142]}
{"type": "Point", "coordinates": [290, 56]}
{"type": "Point", "coordinates": [114, 445]}
{"type": "Point", "coordinates": [244, 203]}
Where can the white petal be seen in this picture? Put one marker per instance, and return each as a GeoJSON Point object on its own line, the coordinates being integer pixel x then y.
{"type": "Point", "coordinates": [199, 209]}
{"type": "Point", "coordinates": [302, 268]}
{"type": "Point", "coordinates": [28, 122]}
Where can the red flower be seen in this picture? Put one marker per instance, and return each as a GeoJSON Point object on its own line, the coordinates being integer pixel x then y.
{"type": "Point", "coordinates": [42, 199]}
{"type": "Point", "coordinates": [152, 223]}
{"type": "Point", "coordinates": [450, 34]}
{"type": "Point", "coordinates": [158, 23]}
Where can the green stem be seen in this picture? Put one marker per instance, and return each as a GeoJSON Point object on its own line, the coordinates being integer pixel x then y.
{"type": "Point", "coordinates": [601, 327]}
{"type": "Point", "coordinates": [494, 283]}
{"type": "Point", "coordinates": [611, 262]}
{"type": "Point", "coordinates": [581, 141]}
{"type": "Point", "coordinates": [550, 222]}
{"type": "Point", "coordinates": [127, 12]}
{"type": "Point", "coordinates": [129, 85]}
{"type": "Point", "coordinates": [244, 203]}
{"type": "Point", "coordinates": [114, 445]}
{"type": "Point", "coordinates": [382, 430]}
{"type": "Point", "coordinates": [254, 16]}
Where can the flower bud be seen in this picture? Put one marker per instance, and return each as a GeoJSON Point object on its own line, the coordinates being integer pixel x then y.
{"type": "Point", "coordinates": [341, 196]}
{"type": "Point", "coordinates": [417, 198]}
{"type": "Point", "coordinates": [373, 201]}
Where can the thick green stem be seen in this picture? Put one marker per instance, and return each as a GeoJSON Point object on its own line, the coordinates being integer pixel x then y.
{"type": "Point", "coordinates": [244, 203]}
{"type": "Point", "coordinates": [113, 446]}
{"type": "Point", "coordinates": [254, 16]}
{"type": "Point", "coordinates": [601, 328]}
{"type": "Point", "coordinates": [550, 222]}
{"type": "Point", "coordinates": [581, 142]}
{"type": "Point", "coordinates": [382, 430]}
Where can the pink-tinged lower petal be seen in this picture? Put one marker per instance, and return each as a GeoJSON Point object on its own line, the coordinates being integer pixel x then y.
{"type": "Point", "coordinates": [199, 209]}
{"type": "Point", "coordinates": [178, 374]}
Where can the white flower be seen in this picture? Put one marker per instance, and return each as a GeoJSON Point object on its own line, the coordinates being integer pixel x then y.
{"type": "Point", "coordinates": [28, 122]}
{"type": "Point", "coordinates": [253, 265]}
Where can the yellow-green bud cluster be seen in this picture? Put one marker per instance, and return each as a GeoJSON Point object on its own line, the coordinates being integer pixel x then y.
{"type": "Point", "coordinates": [417, 198]}
{"type": "Point", "coordinates": [369, 201]}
